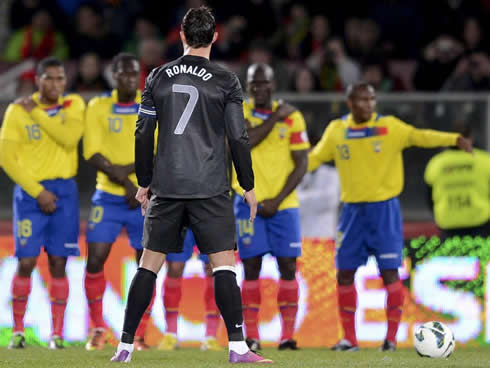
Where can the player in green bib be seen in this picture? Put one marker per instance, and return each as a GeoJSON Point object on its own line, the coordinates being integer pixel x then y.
{"type": "Point", "coordinates": [460, 190]}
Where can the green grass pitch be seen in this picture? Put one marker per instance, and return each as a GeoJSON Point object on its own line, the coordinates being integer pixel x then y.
{"type": "Point", "coordinates": [77, 357]}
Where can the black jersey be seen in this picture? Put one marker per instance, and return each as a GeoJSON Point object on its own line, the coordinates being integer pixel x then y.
{"type": "Point", "coordinates": [198, 107]}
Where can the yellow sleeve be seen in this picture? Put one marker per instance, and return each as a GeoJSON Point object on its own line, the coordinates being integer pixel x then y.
{"type": "Point", "coordinates": [66, 127]}
{"type": "Point", "coordinates": [425, 138]}
{"type": "Point", "coordinates": [21, 176]}
{"type": "Point", "coordinates": [11, 131]}
{"type": "Point", "coordinates": [323, 151]}
{"type": "Point", "coordinates": [299, 138]}
{"type": "Point", "coordinates": [94, 135]}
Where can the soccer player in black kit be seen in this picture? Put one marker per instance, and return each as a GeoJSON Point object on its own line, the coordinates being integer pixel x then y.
{"type": "Point", "coordinates": [197, 106]}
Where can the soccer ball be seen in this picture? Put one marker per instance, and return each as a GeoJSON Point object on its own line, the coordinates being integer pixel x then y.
{"type": "Point", "coordinates": [434, 340]}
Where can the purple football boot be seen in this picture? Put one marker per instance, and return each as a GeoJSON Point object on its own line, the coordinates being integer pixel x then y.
{"type": "Point", "coordinates": [248, 357]}
{"type": "Point", "coordinates": [121, 356]}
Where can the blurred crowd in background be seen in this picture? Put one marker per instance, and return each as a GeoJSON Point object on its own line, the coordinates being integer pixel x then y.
{"type": "Point", "coordinates": [397, 45]}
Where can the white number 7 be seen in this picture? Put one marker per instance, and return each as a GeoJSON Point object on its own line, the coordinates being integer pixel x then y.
{"type": "Point", "coordinates": [189, 108]}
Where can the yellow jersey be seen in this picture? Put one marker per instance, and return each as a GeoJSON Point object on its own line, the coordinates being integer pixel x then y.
{"type": "Point", "coordinates": [460, 189]}
{"type": "Point", "coordinates": [368, 156]}
{"type": "Point", "coordinates": [109, 130]}
{"type": "Point", "coordinates": [271, 159]}
{"type": "Point", "coordinates": [42, 144]}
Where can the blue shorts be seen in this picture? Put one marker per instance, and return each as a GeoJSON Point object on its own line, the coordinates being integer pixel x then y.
{"type": "Point", "coordinates": [109, 214]}
{"type": "Point", "coordinates": [57, 232]}
{"type": "Point", "coordinates": [279, 235]}
{"type": "Point", "coordinates": [186, 254]}
{"type": "Point", "coordinates": [370, 229]}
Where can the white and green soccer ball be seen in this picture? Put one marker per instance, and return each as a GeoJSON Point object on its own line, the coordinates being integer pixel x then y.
{"type": "Point", "coordinates": [434, 340]}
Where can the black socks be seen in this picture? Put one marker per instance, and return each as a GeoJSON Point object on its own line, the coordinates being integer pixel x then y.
{"type": "Point", "coordinates": [229, 301]}
{"type": "Point", "coordinates": [139, 298]}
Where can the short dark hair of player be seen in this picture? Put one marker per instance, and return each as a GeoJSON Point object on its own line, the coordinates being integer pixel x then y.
{"type": "Point", "coordinates": [122, 57]}
{"type": "Point", "coordinates": [199, 26]}
{"type": "Point", "coordinates": [353, 88]}
{"type": "Point", "coordinates": [48, 62]}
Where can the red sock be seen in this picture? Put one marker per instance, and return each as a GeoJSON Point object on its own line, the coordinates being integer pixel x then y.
{"type": "Point", "coordinates": [21, 288]}
{"type": "Point", "coordinates": [287, 300]}
{"type": "Point", "coordinates": [394, 304]}
{"type": "Point", "coordinates": [95, 284]}
{"type": "Point", "coordinates": [347, 296]}
{"type": "Point", "coordinates": [59, 295]}
{"type": "Point", "coordinates": [172, 293]}
{"type": "Point", "coordinates": [251, 305]}
{"type": "Point", "coordinates": [140, 331]}
{"type": "Point", "coordinates": [212, 313]}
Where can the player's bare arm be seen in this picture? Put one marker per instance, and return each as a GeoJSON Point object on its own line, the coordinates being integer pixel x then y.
{"type": "Point", "coordinates": [259, 133]}
{"type": "Point", "coordinates": [269, 207]}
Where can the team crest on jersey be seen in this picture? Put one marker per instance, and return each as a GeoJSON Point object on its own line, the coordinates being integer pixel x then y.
{"type": "Point", "coordinates": [283, 131]}
{"type": "Point", "coordinates": [376, 146]}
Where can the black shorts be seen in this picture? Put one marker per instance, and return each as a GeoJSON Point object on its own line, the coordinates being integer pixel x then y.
{"type": "Point", "coordinates": [212, 220]}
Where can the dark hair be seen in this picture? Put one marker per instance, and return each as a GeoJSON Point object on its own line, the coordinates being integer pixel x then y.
{"type": "Point", "coordinates": [122, 57]}
{"type": "Point", "coordinates": [198, 26]}
{"type": "Point", "coordinates": [354, 87]}
{"type": "Point", "coordinates": [47, 62]}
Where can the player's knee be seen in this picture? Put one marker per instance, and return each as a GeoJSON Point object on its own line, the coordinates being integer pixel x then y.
{"type": "Point", "coordinates": [57, 266]}
{"type": "Point", "coordinates": [287, 268]}
{"type": "Point", "coordinates": [175, 269]}
{"type": "Point", "coordinates": [26, 266]}
{"type": "Point", "coordinates": [252, 268]}
{"type": "Point", "coordinates": [345, 277]}
{"type": "Point", "coordinates": [95, 263]}
{"type": "Point", "coordinates": [389, 276]}
{"type": "Point", "coordinates": [208, 270]}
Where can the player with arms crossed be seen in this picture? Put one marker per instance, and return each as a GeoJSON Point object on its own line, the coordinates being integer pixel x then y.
{"type": "Point", "coordinates": [198, 106]}
{"type": "Point", "coordinates": [38, 150]}
{"type": "Point", "coordinates": [367, 150]}
{"type": "Point", "coordinates": [172, 293]}
{"type": "Point", "coordinates": [108, 145]}
{"type": "Point", "coordinates": [280, 145]}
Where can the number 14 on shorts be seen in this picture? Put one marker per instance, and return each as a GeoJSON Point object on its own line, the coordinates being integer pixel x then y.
{"type": "Point", "coordinates": [245, 227]}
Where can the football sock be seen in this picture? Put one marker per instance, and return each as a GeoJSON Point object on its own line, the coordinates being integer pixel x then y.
{"type": "Point", "coordinates": [347, 297]}
{"type": "Point", "coordinates": [229, 301]}
{"type": "Point", "coordinates": [287, 300]}
{"type": "Point", "coordinates": [239, 347]}
{"type": "Point", "coordinates": [251, 304]}
{"type": "Point", "coordinates": [58, 293]}
{"type": "Point", "coordinates": [140, 331]}
{"type": "Point", "coordinates": [212, 313]}
{"type": "Point", "coordinates": [95, 285]}
{"type": "Point", "coordinates": [172, 293]}
{"type": "Point", "coordinates": [21, 288]}
{"type": "Point", "coordinates": [394, 304]}
{"type": "Point", "coordinates": [139, 298]}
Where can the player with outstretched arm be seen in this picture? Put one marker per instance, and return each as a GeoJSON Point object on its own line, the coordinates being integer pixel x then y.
{"type": "Point", "coordinates": [367, 149]}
